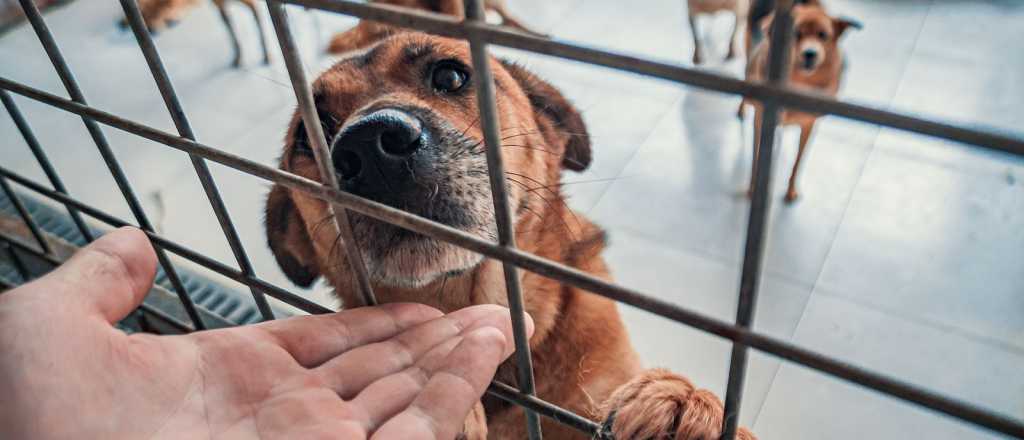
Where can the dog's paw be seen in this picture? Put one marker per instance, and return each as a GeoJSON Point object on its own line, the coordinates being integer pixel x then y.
{"type": "Point", "coordinates": [791, 196]}
{"type": "Point", "coordinates": [658, 404]}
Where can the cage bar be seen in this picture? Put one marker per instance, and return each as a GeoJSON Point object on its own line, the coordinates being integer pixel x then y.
{"type": "Point", "coordinates": [177, 112]}
{"type": "Point", "coordinates": [483, 82]}
{"type": "Point", "coordinates": [753, 252]}
{"type": "Point", "coordinates": [71, 85]}
{"type": "Point", "coordinates": [42, 159]}
{"type": "Point", "coordinates": [321, 151]}
{"type": "Point", "coordinates": [26, 216]}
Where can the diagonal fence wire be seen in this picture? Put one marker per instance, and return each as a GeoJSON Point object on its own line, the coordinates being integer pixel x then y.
{"type": "Point", "coordinates": [71, 85]}
{"type": "Point", "coordinates": [174, 107]}
{"type": "Point", "coordinates": [321, 152]}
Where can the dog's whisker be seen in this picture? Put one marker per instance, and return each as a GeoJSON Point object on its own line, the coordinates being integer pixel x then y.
{"type": "Point", "coordinates": [554, 194]}
{"type": "Point", "coordinates": [550, 207]}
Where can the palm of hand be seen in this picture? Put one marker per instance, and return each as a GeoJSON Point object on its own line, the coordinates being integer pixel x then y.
{"type": "Point", "coordinates": [396, 371]}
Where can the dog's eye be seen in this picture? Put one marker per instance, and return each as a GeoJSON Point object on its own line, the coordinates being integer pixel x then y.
{"type": "Point", "coordinates": [448, 77]}
{"type": "Point", "coordinates": [796, 35]}
{"type": "Point", "coordinates": [822, 35]}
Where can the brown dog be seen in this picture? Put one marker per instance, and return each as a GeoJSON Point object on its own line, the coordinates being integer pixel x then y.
{"type": "Point", "coordinates": [816, 63]}
{"type": "Point", "coordinates": [161, 14]}
{"type": "Point", "coordinates": [739, 10]}
{"type": "Point", "coordinates": [369, 32]}
{"type": "Point", "coordinates": [401, 118]}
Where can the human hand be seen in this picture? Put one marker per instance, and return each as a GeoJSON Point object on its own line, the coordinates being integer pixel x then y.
{"type": "Point", "coordinates": [392, 371]}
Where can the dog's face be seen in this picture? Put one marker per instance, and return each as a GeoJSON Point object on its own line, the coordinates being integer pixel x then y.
{"type": "Point", "coordinates": [401, 121]}
{"type": "Point", "coordinates": [816, 37]}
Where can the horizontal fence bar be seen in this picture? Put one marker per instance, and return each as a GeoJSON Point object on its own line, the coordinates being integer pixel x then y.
{"type": "Point", "coordinates": [557, 271]}
{"type": "Point", "coordinates": [511, 395]}
{"type": "Point", "coordinates": [452, 27]}
{"type": "Point", "coordinates": [164, 243]}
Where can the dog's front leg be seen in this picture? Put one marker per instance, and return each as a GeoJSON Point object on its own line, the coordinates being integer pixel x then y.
{"type": "Point", "coordinates": [475, 426]}
{"type": "Point", "coordinates": [657, 404]}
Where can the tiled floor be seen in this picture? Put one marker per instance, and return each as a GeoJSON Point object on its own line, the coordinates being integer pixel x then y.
{"type": "Point", "coordinates": [903, 254]}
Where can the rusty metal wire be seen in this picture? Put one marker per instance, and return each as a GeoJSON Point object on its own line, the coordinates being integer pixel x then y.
{"type": "Point", "coordinates": [773, 94]}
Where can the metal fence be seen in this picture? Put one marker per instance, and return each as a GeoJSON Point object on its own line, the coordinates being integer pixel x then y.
{"type": "Point", "coordinates": [773, 94]}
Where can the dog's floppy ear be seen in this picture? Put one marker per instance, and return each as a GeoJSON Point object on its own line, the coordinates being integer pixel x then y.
{"type": "Point", "coordinates": [288, 239]}
{"type": "Point", "coordinates": [568, 130]}
{"type": "Point", "coordinates": [841, 24]}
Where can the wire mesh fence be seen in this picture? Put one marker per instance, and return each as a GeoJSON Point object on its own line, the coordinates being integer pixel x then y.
{"type": "Point", "coordinates": [773, 94]}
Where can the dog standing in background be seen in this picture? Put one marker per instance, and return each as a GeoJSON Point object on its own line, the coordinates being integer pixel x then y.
{"type": "Point", "coordinates": [162, 14]}
{"type": "Point", "coordinates": [368, 32]}
{"type": "Point", "coordinates": [739, 9]}
{"type": "Point", "coordinates": [816, 64]}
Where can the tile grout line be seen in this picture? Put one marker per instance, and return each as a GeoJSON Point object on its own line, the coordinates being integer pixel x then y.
{"type": "Point", "coordinates": [926, 322]}
{"type": "Point", "coordinates": [849, 201]}
{"type": "Point", "coordinates": [640, 145]}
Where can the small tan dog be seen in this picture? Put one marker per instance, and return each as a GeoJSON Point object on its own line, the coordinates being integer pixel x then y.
{"type": "Point", "coordinates": [162, 14]}
{"type": "Point", "coordinates": [739, 8]}
{"type": "Point", "coordinates": [367, 32]}
{"type": "Point", "coordinates": [816, 64]}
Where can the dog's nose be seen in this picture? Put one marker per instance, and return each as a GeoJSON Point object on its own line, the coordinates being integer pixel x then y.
{"type": "Point", "coordinates": [809, 57]}
{"type": "Point", "coordinates": [381, 139]}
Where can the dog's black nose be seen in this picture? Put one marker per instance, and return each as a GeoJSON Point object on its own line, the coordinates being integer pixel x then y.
{"type": "Point", "coordinates": [376, 142]}
{"type": "Point", "coordinates": [809, 56]}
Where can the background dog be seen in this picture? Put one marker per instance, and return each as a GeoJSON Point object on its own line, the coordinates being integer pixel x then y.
{"type": "Point", "coordinates": [161, 14]}
{"type": "Point", "coordinates": [369, 32]}
{"type": "Point", "coordinates": [816, 63]}
{"type": "Point", "coordinates": [402, 121]}
{"type": "Point", "coordinates": [738, 8]}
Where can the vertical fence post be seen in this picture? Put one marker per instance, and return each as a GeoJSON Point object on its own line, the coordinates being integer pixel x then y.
{"type": "Point", "coordinates": [322, 154]}
{"type": "Point", "coordinates": [753, 251]}
{"type": "Point", "coordinates": [483, 80]}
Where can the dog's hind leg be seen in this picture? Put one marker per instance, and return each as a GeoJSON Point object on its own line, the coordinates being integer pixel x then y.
{"type": "Point", "coordinates": [758, 125]}
{"type": "Point", "coordinates": [697, 56]}
{"type": "Point", "coordinates": [232, 34]}
{"type": "Point", "coordinates": [805, 136]}
{"type": "Point", "coordinates": [733, 40]}
{"type": "Point", "coordinates": [259, 28]}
